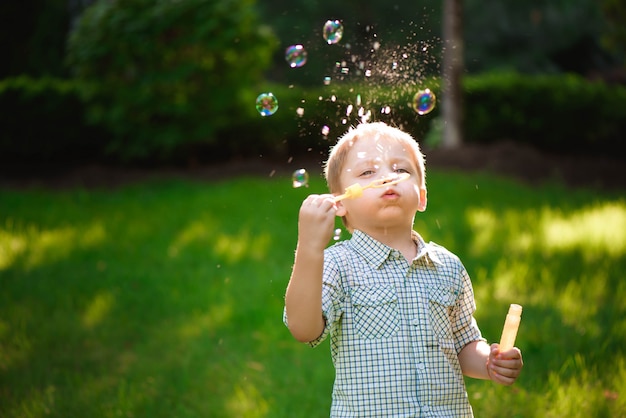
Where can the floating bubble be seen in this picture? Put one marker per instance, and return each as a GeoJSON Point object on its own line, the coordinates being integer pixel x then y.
{"type": "Point", "coordinates": [325, 130]}
{"type": "Point", "coordinates": [266, 104]}
{"type": "Point", "coordinates": [300, 178]}
{"type": "Point", "coordinates": [326, 80]}
{"type": "Point", "coordinates": [424, 101]}
{"type": "Point", "coordinates": [337, 235]}
{"type": "Point", "coordinates": [300, 111]}
{"type": "Point", "coordinates": [333, 31]}
{"type": "Point", "coordinates": [295, 55]}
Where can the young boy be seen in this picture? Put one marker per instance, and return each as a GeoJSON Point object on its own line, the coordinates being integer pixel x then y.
{"type": "Point", "coordinates": [399, 311]}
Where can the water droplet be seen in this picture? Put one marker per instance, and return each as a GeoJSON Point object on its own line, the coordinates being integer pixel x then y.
{"type": "Point", "coordinates": [266, 104]}
{"type": "Point", "coordinates": [424, 101]}
{"type": "Point", "coordinates": [300, 178]}
{"type": "Point", "coordinates": [295, 55]}
{"type": "Point", "coordinates": [333, 31]}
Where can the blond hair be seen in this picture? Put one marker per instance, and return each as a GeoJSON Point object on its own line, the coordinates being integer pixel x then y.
{"type": "Point", "coordinates": [339, 152]}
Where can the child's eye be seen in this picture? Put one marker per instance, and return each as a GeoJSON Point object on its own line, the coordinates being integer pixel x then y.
{"type": "Point", "coordinates": [367, 172]}
{"type": "Point", "coordinates": [401, 170]}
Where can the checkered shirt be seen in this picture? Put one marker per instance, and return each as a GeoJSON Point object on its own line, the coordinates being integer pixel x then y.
{"type": "Point", "coordinates": [396, 329]}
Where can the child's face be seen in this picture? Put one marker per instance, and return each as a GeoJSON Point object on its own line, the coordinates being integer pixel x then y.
{"type": "Point", "coordinates": [374, 158]}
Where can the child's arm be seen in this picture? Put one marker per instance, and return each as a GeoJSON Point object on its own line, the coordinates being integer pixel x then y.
{"type": "Point", "coordinates": [303, 300]}
{"type": "Point", "coordinates": [481, 361]}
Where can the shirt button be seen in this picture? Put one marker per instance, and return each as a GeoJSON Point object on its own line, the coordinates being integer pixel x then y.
{"type": "Point", "coordinates": [415, 322]}
{"type": "Point", "coordinates": [425, 408]}
{"type": "Point", "coordinates": [395, 254]}
{"type": "Point", "coordinates": [421, 366]}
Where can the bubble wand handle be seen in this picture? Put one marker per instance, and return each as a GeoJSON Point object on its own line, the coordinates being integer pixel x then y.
{"type": "Point", "coordinates": [356, 190]}
{"type": "Point", "coordinates": [511, 325]}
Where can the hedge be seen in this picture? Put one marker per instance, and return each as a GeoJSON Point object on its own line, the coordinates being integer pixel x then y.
{"type": "Point", "coordinates": [44, 119]}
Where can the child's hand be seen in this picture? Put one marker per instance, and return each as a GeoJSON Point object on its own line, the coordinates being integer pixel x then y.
{"type": "Point", "coordinates": [316, 221]}
{"type": "Point", "coordinates": [504, 368]}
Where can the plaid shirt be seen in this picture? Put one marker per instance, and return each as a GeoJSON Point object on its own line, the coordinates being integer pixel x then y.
{"type": "Point", "coordinates": [396, 329]}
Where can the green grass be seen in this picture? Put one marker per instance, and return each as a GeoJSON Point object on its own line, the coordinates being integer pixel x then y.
{"type": "Point", "coordinates": [164, 299]}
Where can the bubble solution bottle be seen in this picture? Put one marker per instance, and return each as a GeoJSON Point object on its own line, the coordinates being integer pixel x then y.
{"type": "Point", "coordinates": [513, 318]}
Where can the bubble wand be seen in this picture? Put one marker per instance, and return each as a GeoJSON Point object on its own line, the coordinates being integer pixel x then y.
{"type": "Point", "coordinates": [356, 190]}
{"type": "Point", "coordinates": [511, 324]}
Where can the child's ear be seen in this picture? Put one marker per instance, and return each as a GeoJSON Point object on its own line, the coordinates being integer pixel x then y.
{"type": "Point", "coordinates": [423, 200]}
{"type": "Point", "coordinates": [341, 209]}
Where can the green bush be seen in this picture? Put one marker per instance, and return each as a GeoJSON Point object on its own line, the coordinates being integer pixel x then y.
{"type": "Point", "coordinates": [168, 73]}
{"type": "Point", "coordinates": [43, 121]}
{"type": "Point", "coordinates": [566, 113]}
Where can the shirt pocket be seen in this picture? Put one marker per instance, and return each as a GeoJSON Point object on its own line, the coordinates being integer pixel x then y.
{"type": "Point", "coordinates": [442, 300]}
{"type": "Point", "coordinates": [375, 312]}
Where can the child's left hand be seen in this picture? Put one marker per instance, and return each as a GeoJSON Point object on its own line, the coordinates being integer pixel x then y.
{"type": "Point", "coordinates": [504, 368]}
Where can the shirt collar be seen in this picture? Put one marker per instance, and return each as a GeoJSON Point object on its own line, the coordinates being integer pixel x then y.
{"type": "Point", "coordinates": [376, 252]}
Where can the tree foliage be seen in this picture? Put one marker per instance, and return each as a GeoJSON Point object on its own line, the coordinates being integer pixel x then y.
{"type": "Point", "coordinates": [165, 73]}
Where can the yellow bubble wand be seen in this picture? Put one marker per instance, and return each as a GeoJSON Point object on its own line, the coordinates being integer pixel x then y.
{"type": "Point", "coordinates": [356, 190]}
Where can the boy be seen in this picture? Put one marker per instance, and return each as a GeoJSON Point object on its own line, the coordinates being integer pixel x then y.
{"type": "Point", "coordinates": [399, 311]}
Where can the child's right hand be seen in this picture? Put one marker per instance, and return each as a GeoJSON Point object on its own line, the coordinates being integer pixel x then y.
{"type": "Point", "coordinates": [316, 220]}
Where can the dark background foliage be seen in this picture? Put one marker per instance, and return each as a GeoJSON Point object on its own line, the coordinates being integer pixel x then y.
{"type": "Point", "coordinates": [138, 81]}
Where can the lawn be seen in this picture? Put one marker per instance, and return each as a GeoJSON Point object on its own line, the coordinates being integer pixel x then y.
{"type": "Point", "coordinates": [164, 298]}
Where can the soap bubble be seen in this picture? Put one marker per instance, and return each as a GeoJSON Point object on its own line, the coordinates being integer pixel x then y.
{"type": "Point", "coordinates": [327, 80]}
{"type": "Point", "coordinates": [300, 178]}
{"type": "Point", "coordinates": [266, 104]}
{"type": "Point", "coordinates": [325, 130]}
{"type": "Point", "coordinates": [337, 235]}
{"type": "Point", "coordinates": [295, 55]}
{"type": "Point", "coordinates": [424, 101]}
{"type": "Point", "coordinates": [333, 31]}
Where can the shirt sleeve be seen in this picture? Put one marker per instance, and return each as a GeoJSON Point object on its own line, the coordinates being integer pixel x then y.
{"type": "Point", "coordinates": [332, 298]}
{"type": "Point", "coordinates": [465, 328]}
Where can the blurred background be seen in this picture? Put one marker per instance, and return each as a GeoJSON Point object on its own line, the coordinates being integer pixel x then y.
{"type": "Point", "coordinates": [139, 82]}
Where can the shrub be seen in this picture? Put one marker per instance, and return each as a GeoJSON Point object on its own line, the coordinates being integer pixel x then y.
{"type": "Point", "coordinates": [565, 113]}
{"type": "Point", "coordinates": [168, 73]}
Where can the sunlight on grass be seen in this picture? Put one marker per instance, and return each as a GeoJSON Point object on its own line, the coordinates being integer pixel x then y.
{"type": "Point", "coordinates": [196, 231]}
{"type": "Point", "coordinates": [231, 248]}
{"type": "Point", "coordinates": [247, 401]}
{"type": "Point", "coordinates": [96, 322]}
{"type": "Point", "coordinates": [234, 248]}
{"type": "Point", "coordinates": [597, 229]}
{"type": "Point", "coordinates": [582, 394]}
{"type": "Point", "coordinates": [98, 309]}
{"type": "Point", "coordinates": [38, 247]}
{"type": "Point", "coordinates": [596, 232]}
{"type": "Point", "coordinates": [202, 323]}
